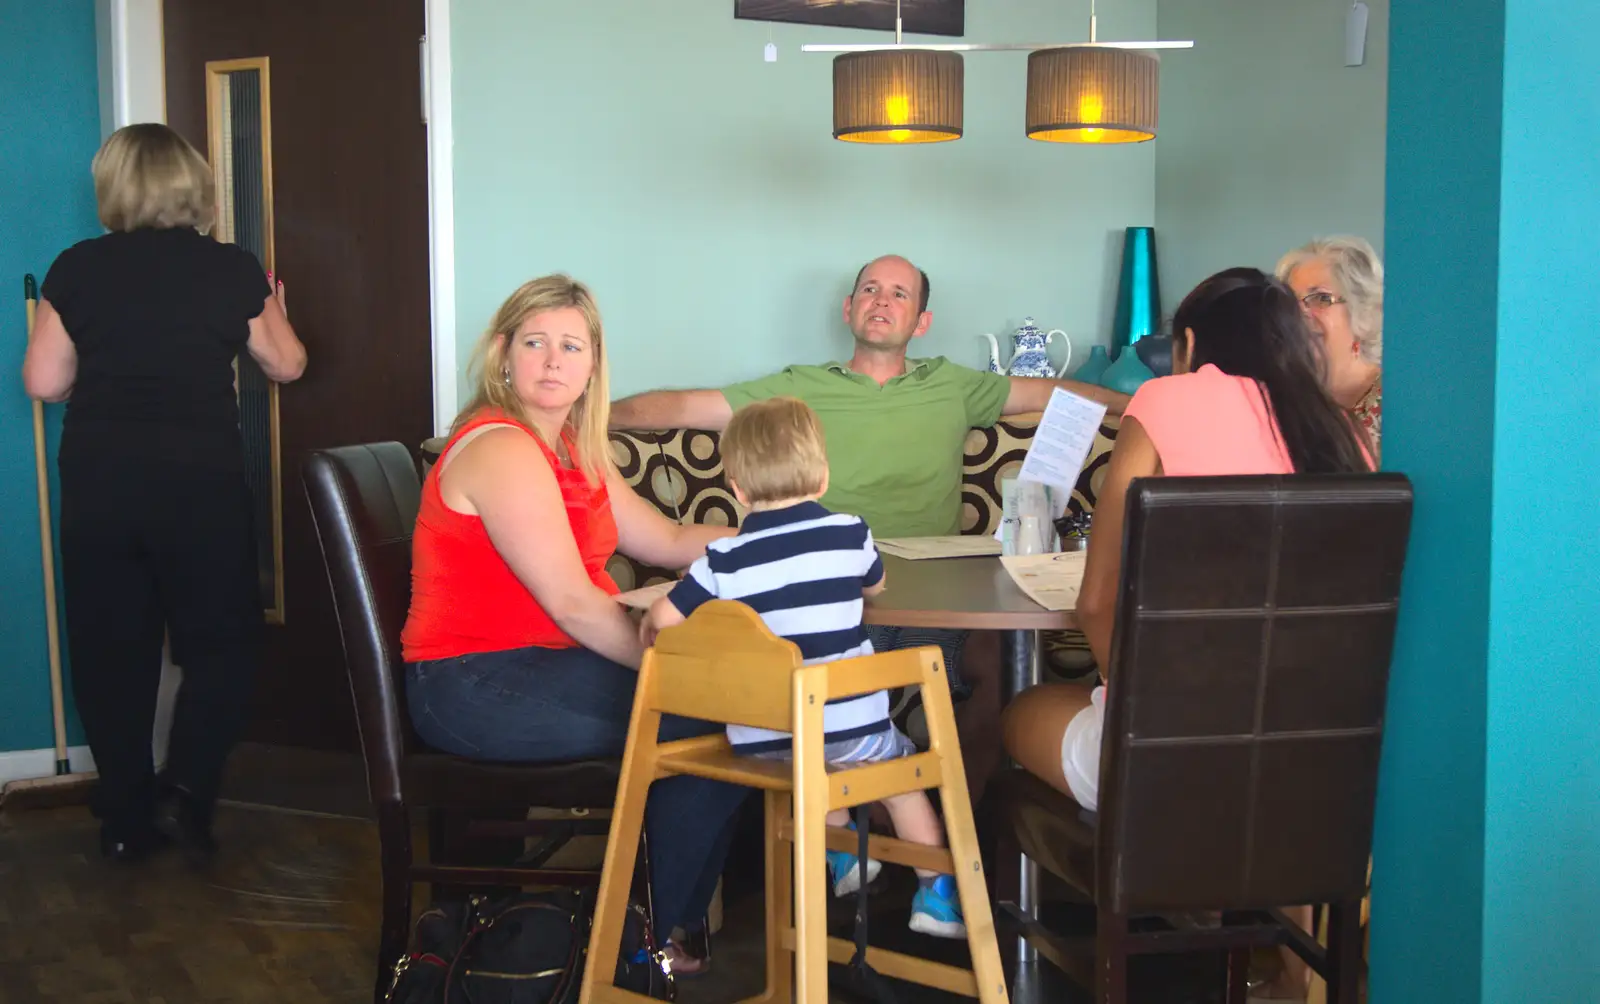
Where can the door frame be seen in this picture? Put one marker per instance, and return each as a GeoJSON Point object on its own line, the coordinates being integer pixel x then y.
{"type": "Point", "coordinates": [132, 64]}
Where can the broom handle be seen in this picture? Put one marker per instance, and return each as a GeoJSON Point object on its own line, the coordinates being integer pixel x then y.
{"type": "Point", "coordinates": [47, 553]}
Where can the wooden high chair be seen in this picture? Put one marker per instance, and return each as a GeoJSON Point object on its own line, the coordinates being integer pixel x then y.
{"type": "Point", "coordinates": [724, 665]}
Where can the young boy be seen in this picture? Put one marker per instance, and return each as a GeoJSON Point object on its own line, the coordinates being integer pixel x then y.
{"type": "Point", "coordinates": [805, 570]}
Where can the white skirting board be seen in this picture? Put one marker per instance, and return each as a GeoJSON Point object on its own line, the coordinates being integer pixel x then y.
{"type": "Point", "coordinates": [20, 764]}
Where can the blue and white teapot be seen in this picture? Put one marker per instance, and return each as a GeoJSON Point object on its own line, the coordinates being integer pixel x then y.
{"type": "Point", "coordinates": [1030, 356]}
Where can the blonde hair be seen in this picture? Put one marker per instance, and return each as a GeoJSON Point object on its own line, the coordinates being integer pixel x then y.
{"type": "Point", "coordinates": [146, 175]}
{"type": "Point", "coordinates": [773, 450]}
{"type": "Point", "coordinates": [1358, 272]}
{"type": "Point", "coordinates": [488, 370]}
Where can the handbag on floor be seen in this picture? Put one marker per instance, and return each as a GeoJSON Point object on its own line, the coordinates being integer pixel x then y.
{"type": "Point", "coordinates": [526, 949]}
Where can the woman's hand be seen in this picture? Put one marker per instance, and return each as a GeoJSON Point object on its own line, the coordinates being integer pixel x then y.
{"type": "Point", "coordinates": [277, 291]}
{"type": "Point", "coordinates": [663, 613]}
{"type": "Point", "coordinates": [272, 342]}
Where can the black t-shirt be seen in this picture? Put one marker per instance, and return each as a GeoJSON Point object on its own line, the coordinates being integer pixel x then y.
{"type": "Point", "coordinates": [157, 317]}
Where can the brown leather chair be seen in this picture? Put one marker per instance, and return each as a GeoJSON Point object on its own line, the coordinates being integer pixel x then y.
{"type": "Point", "coordinates": [1244, 717]}
{"type": "Point", "coordinates": [364, 503]}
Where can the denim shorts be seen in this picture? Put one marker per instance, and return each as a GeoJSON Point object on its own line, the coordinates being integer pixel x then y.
{"type": "Point", "coordinates": [890, 744]}
{"type": "Point", "coordinates": [949, 641]}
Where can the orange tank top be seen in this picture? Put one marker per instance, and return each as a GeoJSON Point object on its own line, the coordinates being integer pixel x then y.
{"type": "Point", "coordinates": [464, 597]}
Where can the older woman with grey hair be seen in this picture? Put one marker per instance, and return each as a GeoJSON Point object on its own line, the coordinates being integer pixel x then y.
{"type": "Point", "coordinates": [1339, 281]}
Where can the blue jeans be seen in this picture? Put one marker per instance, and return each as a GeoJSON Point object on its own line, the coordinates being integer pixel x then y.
{"type": "Point", "coordinates": [544, 705]}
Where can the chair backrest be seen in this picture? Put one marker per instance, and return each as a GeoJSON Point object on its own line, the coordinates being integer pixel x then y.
{"type": "Point", "coordinates": [1248, 676]}
{"type": "Point", "coordinates": [364, 503]}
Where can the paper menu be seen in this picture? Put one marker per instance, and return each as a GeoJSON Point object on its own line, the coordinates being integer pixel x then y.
{"type": "Point", "coordinates": [1050, 580]}
{"type": "Point", "coordinates": [1063, 439]}
{"type": "Point", "coordinates": [918, 548]}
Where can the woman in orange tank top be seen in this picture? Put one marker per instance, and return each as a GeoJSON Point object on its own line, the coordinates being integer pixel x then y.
{"type": "Point", "coordinates": [516, 650]}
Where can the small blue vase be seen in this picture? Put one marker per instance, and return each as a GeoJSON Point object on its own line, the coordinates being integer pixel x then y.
{"type": "Point", "coordinates": [1126, 374]}
{"type": "Point", "coordinates": [1094, 366]}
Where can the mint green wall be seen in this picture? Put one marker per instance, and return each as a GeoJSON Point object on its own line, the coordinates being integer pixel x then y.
{"type": "Point", "coordinates": [1267, 138]}
{"type": "Point", "coordinates": [49, 130]}
{"type": "Point", "coordinates": [647, 149]}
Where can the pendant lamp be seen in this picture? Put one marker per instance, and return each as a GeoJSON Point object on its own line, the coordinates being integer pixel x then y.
{"type": "Point", "coordinates": [1085, 94]}
{"type": "Point", "coordinates": [897, 96]}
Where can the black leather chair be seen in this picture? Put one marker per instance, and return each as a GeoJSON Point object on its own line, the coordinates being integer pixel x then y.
{"type": "Point", "coordinates": [1244, 717]}
{"type": "Point", "coordinates": [364, 503]}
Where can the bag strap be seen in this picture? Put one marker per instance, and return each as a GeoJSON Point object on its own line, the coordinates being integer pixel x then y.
{"type": "Point", "coordinates": [860, 972]}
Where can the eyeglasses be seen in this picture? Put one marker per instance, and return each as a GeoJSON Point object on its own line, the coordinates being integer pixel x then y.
{"type": "Point", "coordinates": [1319, 300]}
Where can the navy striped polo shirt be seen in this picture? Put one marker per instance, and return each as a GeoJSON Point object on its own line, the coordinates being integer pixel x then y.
{"type": "Point", "coordinates": [803, 569]}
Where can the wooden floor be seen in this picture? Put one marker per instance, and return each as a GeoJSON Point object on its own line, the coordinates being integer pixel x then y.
{"type": "Point", "coordinates": [289, 911]}
{"type": "Point", "coordinates": [286, 914]}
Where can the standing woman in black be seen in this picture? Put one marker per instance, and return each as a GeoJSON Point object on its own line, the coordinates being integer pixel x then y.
{"type": "Point", "coordinates": [137, 331]}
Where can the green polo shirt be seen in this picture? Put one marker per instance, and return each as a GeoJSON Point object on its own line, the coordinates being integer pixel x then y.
{"type": "Point", "coordinates": [895, 451]}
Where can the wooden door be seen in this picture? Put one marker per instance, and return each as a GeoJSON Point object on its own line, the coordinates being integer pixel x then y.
{"type": "Point", "coordinates": [325, 117]}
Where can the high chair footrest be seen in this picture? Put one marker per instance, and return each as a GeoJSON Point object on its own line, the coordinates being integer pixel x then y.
{"type": "Point", "coordinates": [897, 965]}
{"type": "Point", "coordinates": [890, 849]}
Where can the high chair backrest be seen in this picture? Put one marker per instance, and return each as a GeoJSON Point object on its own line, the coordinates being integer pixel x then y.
{"type": "Point", "coordinates": [725, 665]}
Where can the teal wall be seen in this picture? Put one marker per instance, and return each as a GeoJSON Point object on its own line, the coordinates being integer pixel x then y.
{"type": "Point", "coordinates": [1267, 138]}
{"type": "Point", "coordinates": [1487, 851]}
{"type": "Point", "coordinates": [49, 130]}
{"type": "Point", "coordinates": [648, 149]}
{"type": "Point", "coordinates": [1542, 799]}
{"type": "Point", "coordinates": [1439, 429]}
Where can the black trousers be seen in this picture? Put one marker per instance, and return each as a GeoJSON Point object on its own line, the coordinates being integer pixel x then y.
{"type": "Point", "coordinates": [146, 549]}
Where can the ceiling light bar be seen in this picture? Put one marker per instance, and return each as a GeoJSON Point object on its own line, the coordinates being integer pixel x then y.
{"type": "Point", "coordinates": [996, 47]}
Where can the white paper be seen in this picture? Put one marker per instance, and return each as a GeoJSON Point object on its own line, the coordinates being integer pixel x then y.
{"type": "Point", "coordinates": [918, 548]}
{"type": "Point", "coordinates": [1063, 440]}
{"type": "Point", "coordinates": [1050, 580]}
{"type": "Point", "coordinates": [644, 596]}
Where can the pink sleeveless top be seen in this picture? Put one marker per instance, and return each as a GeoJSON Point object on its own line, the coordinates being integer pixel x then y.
{"type": "Point", "coordinates": [1210, 423]}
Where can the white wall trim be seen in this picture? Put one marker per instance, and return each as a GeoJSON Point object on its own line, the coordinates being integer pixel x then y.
{"type": "Point", "coordinates": [135, 62]}
{"type": "Point", "coordinates": [20, 765]}
{"type": "Point", "coordinates": [441, 212]}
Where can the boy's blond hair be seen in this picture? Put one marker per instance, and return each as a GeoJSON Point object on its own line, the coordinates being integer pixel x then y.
{"type": "Point", "coordinates": [773, 450]}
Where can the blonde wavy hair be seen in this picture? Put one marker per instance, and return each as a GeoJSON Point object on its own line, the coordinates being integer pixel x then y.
{"type": "Point", "coordinates": [146, 175]}
{"type": "Point", "coordinates": [492, 390]}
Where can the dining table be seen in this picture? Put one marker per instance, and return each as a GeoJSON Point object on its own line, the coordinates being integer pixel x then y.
{"type": "Point", "coordinates": [974, 593]}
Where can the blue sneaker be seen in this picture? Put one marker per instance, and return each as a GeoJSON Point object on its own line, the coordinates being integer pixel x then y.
{"type": "Point", "coordinates": [844, 868]}
{"type": "Point", "coordinates": [936, 909]}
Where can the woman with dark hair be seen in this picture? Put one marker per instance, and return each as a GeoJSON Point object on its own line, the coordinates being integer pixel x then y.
{"type": "Point", "coordinates": [1247, 396]}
